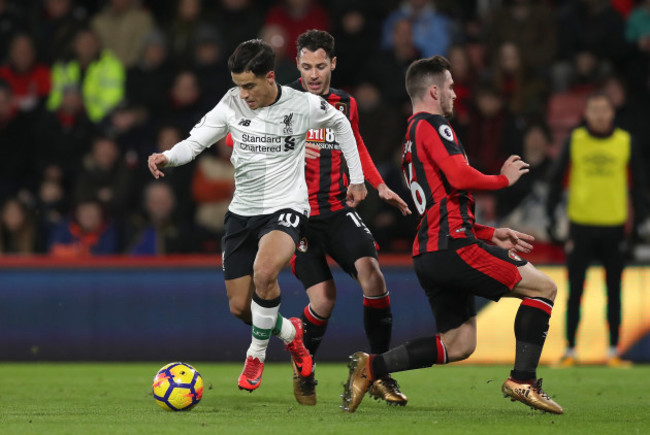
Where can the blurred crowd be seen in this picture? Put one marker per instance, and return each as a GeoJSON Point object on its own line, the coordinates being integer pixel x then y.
{"type": "Point", "coordinates": [88, 89]}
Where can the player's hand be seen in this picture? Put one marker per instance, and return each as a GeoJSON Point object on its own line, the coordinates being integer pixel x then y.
{"type": "Point", "coordinates": [312, 151]}
{"type": "Point", "coordinates": [513, 168]}
{"type": "Point", "coordinates": [356, 194]}
{"type": "Point", "coordinates": [156, 162]}
{"type": "Point", "coordinates": [393, 199]}
{"type": "Point", "coordinates": [510, 239]}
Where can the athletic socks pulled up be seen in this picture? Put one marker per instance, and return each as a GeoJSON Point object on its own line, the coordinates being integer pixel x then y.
{"type": "Point", "coordinates": [416, 354]}
{"type": "Point", "coordinates": [531, 327]}
{"type": "Point", "coordinates": [378, 322]}
{"type": "Point", "coordinates": [314, 329]}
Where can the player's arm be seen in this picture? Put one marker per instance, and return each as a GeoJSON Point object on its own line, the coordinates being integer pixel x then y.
{"type": "Point", "coordinates": [460, 175]}
{"type": "Point", "coordinates": [510, 239]}
{"type": "Point", "coordinates": [370, 171]}
{"type": "Point", "coordinates": [212, 127]}
{"type": "Point", "coordinates": [324, 115]}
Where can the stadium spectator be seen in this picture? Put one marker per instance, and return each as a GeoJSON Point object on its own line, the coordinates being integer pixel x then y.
{"type": "Point", "coordinates": [296, 17]}
{"type": "Point", "coordinates": [591, 40]}
{"type": "Point", "coordinates": [122, 27]}
{"type": "Point", "coordinates": [523, 205]}
{"type": "Point", "coordinates": [238, 20]}
{"type": "Point", "coordinates": [432, 31]}
{"type": "Point", "coordinates": [464, 73]}
{"type": "Point", "coordinates": [597, 160]}
{"type": "Point", "coordinates": [50, 209]}
{"type": "Point", "coordinates": [88, 232]}
{"type": "Point", "coordinates": [17, 230]}
{"type": "Point", "coordinates": [105, 177]}
{"type": "Point", "coordinates": [386, 69]}
{"type": "Point", "coordinates": [189, 21]}
{"type": "Point", "coordinates": [529, 24]}
{"type": "Point", "coordinates": [29, 80]}
{"type": "Point", "coordinates": [495, 132]}
{"type": "Point", "coordinates": [209, 66]}
{"type": "Point", "coordinates": [12, 21]}
{"type": "Point", "coordinates": [285, 66]}
{"type": "Point", "coordinates": [16, 169]}
{"type": "Point", "coordinates": [357, 32]}
{"type": "Point", "coordinates": [158, 232]}
{"type": "Point", "coordinates": [184, 106]}
{"type": "Point", "coordinates": [55, 25]}
{"type": "Point", "coordinates": [64, 136]}
{"type": "Point", "coordinates": [148, 81]}
{"type": "Point", "coordinates": [98, 73]}
{"type": "Point", "coordinates": [522, 91]}
{"type": "Point", "coordinates": [212, 188]}
{"type": "Point", "coordinates": [637, 29]}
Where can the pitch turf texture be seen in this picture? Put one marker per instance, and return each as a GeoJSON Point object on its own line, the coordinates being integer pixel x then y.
{"type": "Point", "coordinates": [97, 398]}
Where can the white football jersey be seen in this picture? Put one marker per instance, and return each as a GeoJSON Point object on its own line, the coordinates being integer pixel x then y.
{"type": "Point", "coordinates": [269, 148]}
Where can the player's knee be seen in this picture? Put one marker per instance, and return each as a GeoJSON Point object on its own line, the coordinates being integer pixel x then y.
{"type": "Point", "coordinates": [264, 276]}
{"type": "Point", "coordinates": [240, 309]}
{"type": "Point", "coordinates": [461, 350]}
{"type": "Point", "coordinates": [548, 288]}
{"type": "Point", "coordinates": [372, 281]}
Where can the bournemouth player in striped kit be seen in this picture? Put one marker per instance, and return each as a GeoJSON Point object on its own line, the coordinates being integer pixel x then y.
{"type": "Point", "coordinates": [334, 228]}
{"type": "Point", "coordinates": [455, 258]}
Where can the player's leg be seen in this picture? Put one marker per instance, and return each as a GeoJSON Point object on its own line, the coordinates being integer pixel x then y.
{"type": "Point", "coordinates": [240, 293]}
{"type": "Point", "coordinates": [613, 258]}
{"type": "Point", "coordinates": [311, 268]}
{"type": "Point", "coordinates": [537, 292]}
{"type": "Point", "coordinates": [579, 254]}
{"type": "Point", "coordinates": [455, 316]}
{"type": "Point", "coordinates": [352, 245]}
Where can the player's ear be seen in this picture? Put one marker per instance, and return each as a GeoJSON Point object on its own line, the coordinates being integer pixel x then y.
{"type": "Point", "coordinates": [333, 63]}
{"type": "Point", "coordinates": [270, 77]}
{"type": "Point", "coordinates": [434, 92]}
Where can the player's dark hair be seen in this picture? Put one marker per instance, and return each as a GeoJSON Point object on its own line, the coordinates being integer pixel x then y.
{"type": "Point", "coordinates": [253, 55]}
{"type": "Point", "coordinates": [314, 39]}
{"type": "Point", "coordinates": [423, 72]}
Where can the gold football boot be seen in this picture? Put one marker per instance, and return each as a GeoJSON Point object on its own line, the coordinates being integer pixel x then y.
{"type": "Point", "coordinates": [531, 395]}
{"type": "Point", "coordinates": [358, 381]}
{"type": "Point", "coordinates": [386, 388]}
{"type": "Point", "coordinates": [304, 388]}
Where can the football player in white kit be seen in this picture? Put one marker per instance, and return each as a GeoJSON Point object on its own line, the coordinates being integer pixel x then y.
{"type": "Point", "coordinates": [270, 206]}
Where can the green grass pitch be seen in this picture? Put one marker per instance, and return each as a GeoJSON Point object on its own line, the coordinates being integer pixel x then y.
{"type": "Point", "coordinates": [110, 398]}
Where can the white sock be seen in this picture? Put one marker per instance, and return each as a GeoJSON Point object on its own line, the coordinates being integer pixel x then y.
{"type": "Point", "coordinates": [613, 352]}
{"type": "Point", "coordinates": [287, 330]}
{"type": "Point", "coordinates": [570, 351]}
{"type": "Point", "coordinates": [264, 318]}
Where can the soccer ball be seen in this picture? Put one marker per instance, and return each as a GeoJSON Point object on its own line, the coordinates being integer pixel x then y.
{"type": "Point", "coordinates": [177, 387]}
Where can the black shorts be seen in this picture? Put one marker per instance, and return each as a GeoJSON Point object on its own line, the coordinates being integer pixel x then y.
{"type": "Point", "coordinates": [343, 236]}
{"type": "Point", "coordinates": [451, 278]}
{"type": "Point", "coordinates": [240, 242]}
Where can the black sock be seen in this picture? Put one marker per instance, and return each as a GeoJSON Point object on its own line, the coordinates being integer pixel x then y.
{"type": "Point", "coordinates": [416, 354]}
{"type": "Point", "coordinates": [314, 329]}
{"type": "Point", "coordinates": [378, 322]}
{"type": "Point", "coordinates": [531, 327]}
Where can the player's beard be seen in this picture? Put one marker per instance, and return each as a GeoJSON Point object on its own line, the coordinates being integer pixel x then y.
{"type": "Point", "coordinates": [448, 108]}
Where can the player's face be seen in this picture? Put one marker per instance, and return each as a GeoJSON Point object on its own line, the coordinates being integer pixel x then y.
{"type": "Point", "coordinates": [599, 115]}
{"type": "Point", "coordinates": [256, 91]}
{"type": "Point", "coordinates": [315, 70]}
{"type": "Point", "coordinates": [447, 96]}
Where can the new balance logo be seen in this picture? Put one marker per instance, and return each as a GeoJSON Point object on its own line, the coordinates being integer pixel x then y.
{"type": "Point", "coordinates": [245, 122]}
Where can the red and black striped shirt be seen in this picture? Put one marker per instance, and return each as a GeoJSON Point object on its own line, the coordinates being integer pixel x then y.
{"type": "Point", "coordinates": [327, 180]}
{"type": "Point", "coordinates": [440, 178]}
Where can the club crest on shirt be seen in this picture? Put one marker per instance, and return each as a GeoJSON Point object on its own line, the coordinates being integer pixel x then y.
{"type": "Point", "coordinates": [288, 124]}
{"type": "Point", "coordinates": [514, 256]}
{"type": "Point", "coordinates": [341, 107]}
{"type": "Point", "coordinates": [445, 131]}
{"type": "Point", "coordinates": [303, 245]}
